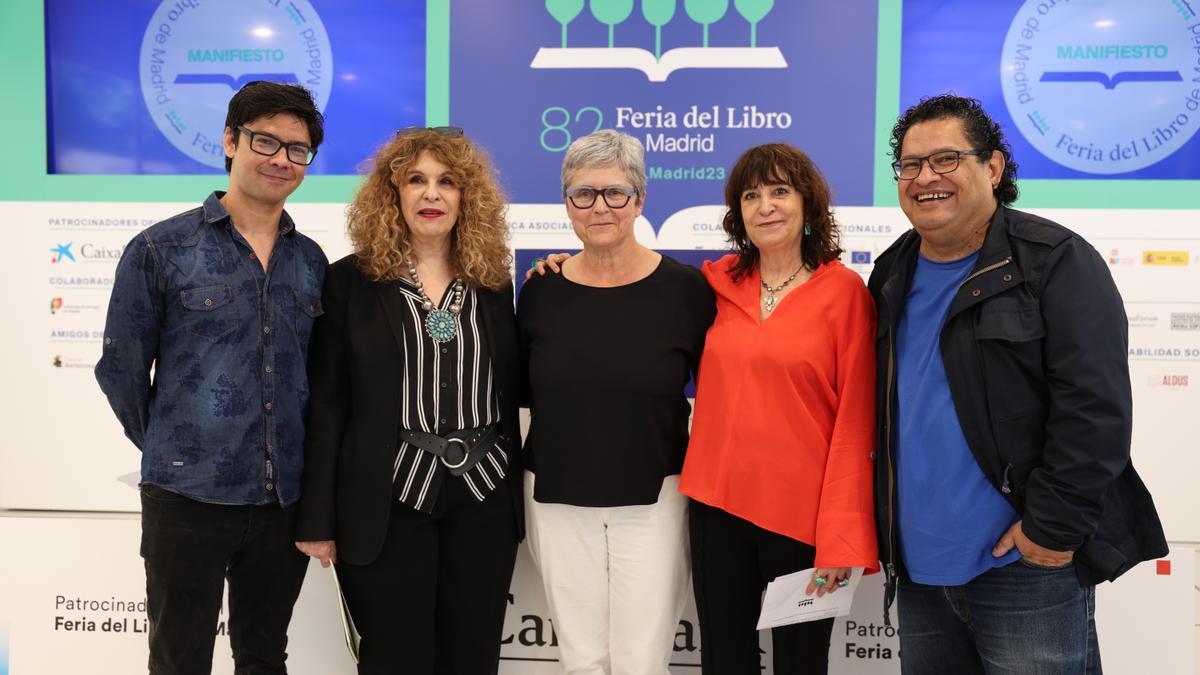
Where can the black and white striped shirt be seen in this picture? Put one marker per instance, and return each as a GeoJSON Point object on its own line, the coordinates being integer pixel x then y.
{"type": "Point", "coordinates": [444, 387]}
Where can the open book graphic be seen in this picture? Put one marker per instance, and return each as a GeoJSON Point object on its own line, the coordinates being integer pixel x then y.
{"type": "Point", "coordinates": [658, 70]}
{"type": "Point", "coordinates": [1111, 82]}
{"type": "Point", "coordinates": [232, 82]}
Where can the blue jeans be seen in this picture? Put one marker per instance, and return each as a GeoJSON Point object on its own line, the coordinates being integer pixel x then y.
{"type": "Point", "coordinates": [1013, 619]}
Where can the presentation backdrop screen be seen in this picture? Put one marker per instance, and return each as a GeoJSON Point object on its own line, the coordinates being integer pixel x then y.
{"type": "Point", "coordinates": [1097, 90]}
{"type": "Point", "coordinates": [142, 86]}
{"type": "Point", "coordinates": [696, 83]}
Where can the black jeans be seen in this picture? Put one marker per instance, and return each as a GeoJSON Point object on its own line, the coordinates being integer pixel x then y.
{"type": "Point", "coordinates": [732, 562]}
{"type": "Point", "coordinates": [190, 549]}
{"type": "Point", "coordinates": [433, 602]}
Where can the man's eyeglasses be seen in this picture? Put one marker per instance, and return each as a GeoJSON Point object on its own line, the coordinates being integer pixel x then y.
{"type": "Point", "coordinates": [615, 196]}
{"type": "Point", "coordinates": [445, 131]}
{"type": "Point", "coordinates": [945, 161]}
{"type": "Point", "coordinates": [268, 145]}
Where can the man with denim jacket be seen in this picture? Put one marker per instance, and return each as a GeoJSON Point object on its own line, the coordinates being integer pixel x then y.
{"type": "Point", "coordinates": [204, 365]}
{"type": "Point", "coordinates": [1004, 487]}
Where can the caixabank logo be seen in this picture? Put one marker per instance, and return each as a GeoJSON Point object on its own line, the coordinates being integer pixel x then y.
{"type": "Point", "coordinates": [195, 55]}
{"type": "Point", "coordinates": [657, 64]}
{"type": "Point", "coordinates": [86, 252]}
{"type": "Point", "coordinates": [62, 252]}
{"type": "Point", "coordinates": [1104, 87]}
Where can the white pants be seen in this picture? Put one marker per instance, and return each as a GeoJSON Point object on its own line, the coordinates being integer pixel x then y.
{"type": "Point", "coordinates": [616, 580]}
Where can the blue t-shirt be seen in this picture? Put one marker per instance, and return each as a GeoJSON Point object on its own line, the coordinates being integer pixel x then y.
{"type": "Point", "coordinates": [950, 515]}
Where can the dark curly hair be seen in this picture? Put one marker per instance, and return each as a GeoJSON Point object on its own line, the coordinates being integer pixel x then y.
{"type": "Point", "coordinates": [983, 133]}
{"type": "Point", "coordinates": [779, 163]}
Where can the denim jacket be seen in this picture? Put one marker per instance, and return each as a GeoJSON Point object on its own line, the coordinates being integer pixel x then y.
{"type": "Point", "coordinates": [220, 419]}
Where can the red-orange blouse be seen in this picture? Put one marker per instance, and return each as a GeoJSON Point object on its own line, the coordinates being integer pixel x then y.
{"type": "Point", "coordinates": [784, 426]}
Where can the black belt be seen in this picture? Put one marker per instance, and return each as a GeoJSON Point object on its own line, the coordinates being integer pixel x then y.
{"type": "Point", "coordinates": [460, 450]}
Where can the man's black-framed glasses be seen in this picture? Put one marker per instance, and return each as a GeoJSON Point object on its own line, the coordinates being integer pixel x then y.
{"type": "Point", "coordinates": [268, 145]}
{"type": "Point", "coordinates": [615, 196]}
{"type": "Point", "coordinates": [945, 161]}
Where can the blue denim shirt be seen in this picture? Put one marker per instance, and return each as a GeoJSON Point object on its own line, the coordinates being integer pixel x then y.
{"type": "Point", "coordinates": [222, 419]}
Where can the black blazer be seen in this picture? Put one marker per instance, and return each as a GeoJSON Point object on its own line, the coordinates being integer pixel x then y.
{"type": "Point", "coordinates": [353, 412]}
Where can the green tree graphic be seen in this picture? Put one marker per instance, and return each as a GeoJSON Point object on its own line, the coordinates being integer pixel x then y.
{"type": "Point", "coordinates": [611, 12]}
{"type": "Point", "coordinates": [658, 13]}
{"type": "Point", "coordinates": [705, 12]}
{"type": "Point", "coordinates": [753, 11]}
{"type": "Point", "coordinates": [564, 12]}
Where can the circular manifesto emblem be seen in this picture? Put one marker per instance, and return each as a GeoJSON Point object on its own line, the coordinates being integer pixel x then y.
{"type": "Point", "coordinates": [1103, 87]}
{"type": "Point", "coordinates": [196, 55]}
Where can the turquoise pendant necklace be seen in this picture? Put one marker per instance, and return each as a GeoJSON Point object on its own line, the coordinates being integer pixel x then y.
{"type": "Point", "coordinates": [441, 325]}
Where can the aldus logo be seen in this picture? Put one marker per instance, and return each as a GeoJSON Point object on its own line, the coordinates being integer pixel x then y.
{"type": "Point", "coordinates": [195, 55]}
{"type": "Point", "coordinates": [55, 305]}
{"type": "Point", "coordinates": [1102, 87]}
{"type": "Point", "coordinates": [1173, 381]}
{"type": "Point", "coordinates": [658, 65]}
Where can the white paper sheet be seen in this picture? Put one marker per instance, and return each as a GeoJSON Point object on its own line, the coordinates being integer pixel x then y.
{"type": "Point", "coordinates": [786, 603]}
{"type": "Point", "coordinates": [353, 639]}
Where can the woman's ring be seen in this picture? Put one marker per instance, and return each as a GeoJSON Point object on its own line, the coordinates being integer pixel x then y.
{"type": "Point", "coordinates": [533, 265]}
{"type": "Point", "coordinates": [842, 583]}
{"type": "Point", "coordinates": [820, 581]}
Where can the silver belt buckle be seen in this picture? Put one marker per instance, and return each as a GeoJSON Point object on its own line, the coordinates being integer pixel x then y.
{"type": "Point", "coordinates": [466, 453]}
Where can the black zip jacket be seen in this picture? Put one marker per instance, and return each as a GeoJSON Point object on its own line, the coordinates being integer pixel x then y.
{"type": "Point", "coordinates": [1035, 347]}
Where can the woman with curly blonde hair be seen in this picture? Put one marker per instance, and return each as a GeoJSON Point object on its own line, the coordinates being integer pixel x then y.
{"type": "Point", "coordinates": [412, 477]}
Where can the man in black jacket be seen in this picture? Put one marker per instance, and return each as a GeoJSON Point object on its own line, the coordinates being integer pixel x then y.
{"type": "Point", "coordinates": [1004, 486]}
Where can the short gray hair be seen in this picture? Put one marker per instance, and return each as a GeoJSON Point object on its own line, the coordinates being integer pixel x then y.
{"type": "Point", "coordinates": [607, 148]}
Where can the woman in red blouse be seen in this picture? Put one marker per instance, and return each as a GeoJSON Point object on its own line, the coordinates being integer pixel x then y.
{"type": "Point", "coordinates": [780, 459]}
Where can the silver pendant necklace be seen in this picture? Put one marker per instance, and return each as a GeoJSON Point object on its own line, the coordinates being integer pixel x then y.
{"type": "Point", "coordinates": [772, 300]}
{"type": "Point", "coordinates": [440, 325]}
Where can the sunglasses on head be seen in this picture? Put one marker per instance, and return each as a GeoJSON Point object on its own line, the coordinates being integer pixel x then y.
{"type": "Point", "coordinates": [445, 131]}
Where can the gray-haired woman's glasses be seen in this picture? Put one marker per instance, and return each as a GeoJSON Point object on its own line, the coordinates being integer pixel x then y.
{"type": "Point", "coordinates": [615, 196]}
{"type": "Point", "coordinates": [908, 168]}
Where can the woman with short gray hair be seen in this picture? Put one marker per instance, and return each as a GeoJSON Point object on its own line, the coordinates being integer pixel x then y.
{"type": "Point", "coordinates": [610, 344]}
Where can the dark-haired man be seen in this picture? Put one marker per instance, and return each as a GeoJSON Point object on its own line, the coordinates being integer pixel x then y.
{"type": "Point", "coordinates": [1004, 486]}
{"type": "Point", "coordinates": [220, 302]}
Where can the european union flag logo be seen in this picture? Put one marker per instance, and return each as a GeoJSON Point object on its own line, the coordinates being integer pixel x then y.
{"type": "Point", "coordinates": [860, 257]}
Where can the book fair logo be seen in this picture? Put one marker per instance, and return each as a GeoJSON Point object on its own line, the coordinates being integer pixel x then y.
{"type": "Point", "coordinates": [656, 64]}
{"type": "Point", "coordinates": [1104, 88]}
{"type": "Point", "coordinates": [196, 55]}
